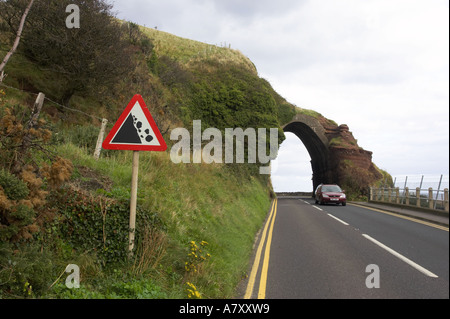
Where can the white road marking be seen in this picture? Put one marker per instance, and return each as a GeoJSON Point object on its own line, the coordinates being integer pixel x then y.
{"type": "Point", "coordinates": [318, 208]}
{"type": "Point", "coordinates": [401, 257]}
{"type": "Point", "coordinates": [339, 220]}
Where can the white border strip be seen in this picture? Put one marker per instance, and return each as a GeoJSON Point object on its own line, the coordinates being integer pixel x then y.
{"type": "Point", "coordinates": [401, 257]}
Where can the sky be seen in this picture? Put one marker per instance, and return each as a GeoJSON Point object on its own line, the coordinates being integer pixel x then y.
{"type": "Point", "coordinates": [379, 66]}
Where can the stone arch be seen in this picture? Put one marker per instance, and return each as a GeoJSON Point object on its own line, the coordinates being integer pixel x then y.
{"type": "Point", "coordinates": [309, 130]}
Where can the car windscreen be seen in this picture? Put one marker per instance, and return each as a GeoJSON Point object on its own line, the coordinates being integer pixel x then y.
{"type": "Point", "coordinates": [333, 189]}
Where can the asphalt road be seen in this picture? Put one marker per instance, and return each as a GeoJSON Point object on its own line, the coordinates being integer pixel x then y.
{"type": "Point", "coordinates": [307, 251]}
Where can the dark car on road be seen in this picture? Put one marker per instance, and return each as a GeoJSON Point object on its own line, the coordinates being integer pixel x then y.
{"type": "Point", "coordinates": [330, 194]}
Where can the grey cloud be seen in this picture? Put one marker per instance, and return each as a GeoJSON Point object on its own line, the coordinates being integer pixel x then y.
{"type": "Point", "coordinates": [251, 9]}
{"type": "Point", "coordinates": [379, 55]}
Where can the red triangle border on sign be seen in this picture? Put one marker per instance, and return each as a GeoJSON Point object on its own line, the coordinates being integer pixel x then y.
{"type": "Point", "coordinates": [135, 147]}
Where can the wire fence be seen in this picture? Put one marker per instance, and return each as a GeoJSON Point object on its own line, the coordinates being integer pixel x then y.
{"type": "Point", "coordinates": [53, 102]}
{"type": "Point", "coordinates": [104, 122]}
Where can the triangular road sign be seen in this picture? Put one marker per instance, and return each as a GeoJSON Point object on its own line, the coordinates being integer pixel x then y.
{"type": "Point", "coordinates": [135, 130]}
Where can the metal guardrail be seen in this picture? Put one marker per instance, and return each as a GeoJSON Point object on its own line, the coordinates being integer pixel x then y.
{"type": "Point", "coordinates": [420, 198]}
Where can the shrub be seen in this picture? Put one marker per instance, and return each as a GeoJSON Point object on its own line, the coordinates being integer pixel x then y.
{"type": "Point", "coordinates": [84, 136]}
{"type": "Point", "coordinates": [25, 177]}
{"type": "Point", "coordinates": [99, 224]}
{"type": "Point", "coordinates": [13, 187]}
{"type": "Point", "coordinates": [354, 180]}
{"type": "Point", "coordinates": [25, 272]}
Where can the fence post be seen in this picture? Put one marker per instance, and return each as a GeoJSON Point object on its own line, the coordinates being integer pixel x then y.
{"type": "Point", "coordinates": [404, 188]}
{"type": "Point", "coordinates": [446, 200]}
{"type": "Point", "coordinates": [407, 196]}
{"type": "Point", "coordinates": [397, 195]}
{"type": "Point", "coordinates": [27, 138]}
{"type": "Point", "coordinates": [101, 135]}
{"type": "Point", "coordinates": [370, 193]}
{"type": "Point", "coordinates": [430, 198]}
{"type": "Point", "coordinates": [389, 195]}
{"type": "Point", "coordinates": [382, 194]}
{"type": "Point", "coordinates": [437, 193]}
{"type": "Point", "coordinates": [418, 196]}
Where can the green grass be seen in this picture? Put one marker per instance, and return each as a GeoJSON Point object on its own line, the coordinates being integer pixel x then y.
{"type": "Point", "coordinates": [315, 115]}
{"type": "Point", "coordinates": [189, 51]}
{"type": "Point", "coordinates": [311, 113]}
{"type": "Point", "coordinates": [219, 204]}
{"type": "Point", "coordinates": [197, 203]}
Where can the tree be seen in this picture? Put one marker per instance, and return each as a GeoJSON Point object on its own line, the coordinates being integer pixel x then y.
{"type": "Point", "coordinates": [17, 41]}
{"type": "Point", "coordinates": [92, 57]}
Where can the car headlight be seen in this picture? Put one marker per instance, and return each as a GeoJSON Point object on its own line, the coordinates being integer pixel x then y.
{"type": "Point", "coordinates": [343, 196]}
{"type": "Point", "coordinates": [325, 195]}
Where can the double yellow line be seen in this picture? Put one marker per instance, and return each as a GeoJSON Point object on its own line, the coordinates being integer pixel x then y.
{"type": "Point", "coordinates": [265, 265]}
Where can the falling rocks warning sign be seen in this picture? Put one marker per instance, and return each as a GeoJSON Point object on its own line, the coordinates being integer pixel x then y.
{"type": "Point", "coordinates": [135, 130]}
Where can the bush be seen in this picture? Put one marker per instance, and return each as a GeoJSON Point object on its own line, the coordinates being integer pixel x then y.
{"type": "Point", "coordinates": [83, 136]}
{"type": "Point", "coordinates": [354, 180]}
{"type": "Point", "coordinates": [14, 188]}
{"type": "Point", "coordinates": [98, 224]}
{"type": "Point", "coordinates": [24, 272]}
{"type": "Point", "coordinates": [25, 178]}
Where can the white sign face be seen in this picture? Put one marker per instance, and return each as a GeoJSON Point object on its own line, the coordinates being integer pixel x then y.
{"type": "Point", "coordinates": [135, 130]}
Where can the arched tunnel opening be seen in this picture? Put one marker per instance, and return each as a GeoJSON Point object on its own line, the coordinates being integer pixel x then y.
{"type": "Point", "coordinates": [291, 171]}
{"type": "Point", "coordinates": [317, 148]}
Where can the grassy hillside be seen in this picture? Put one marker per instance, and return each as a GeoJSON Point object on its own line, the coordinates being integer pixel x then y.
{"type": "Point", "coordinates": [196, 223]}
{"type": "Point", "coordinates": [189, 51]}
{"type": "Point", "coordinates": [193, 203]}
{"type": "Point", "coordinates": [178, 205]}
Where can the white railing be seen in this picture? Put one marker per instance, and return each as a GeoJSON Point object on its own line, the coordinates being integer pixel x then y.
{"type": "Point", "coordinates": [420, 198]}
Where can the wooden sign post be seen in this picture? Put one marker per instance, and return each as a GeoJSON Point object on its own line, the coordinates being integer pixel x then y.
{"type": "Point", "coordinates": [133, 200]}
{"type": "Point", "coordinates": [135, 131]}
